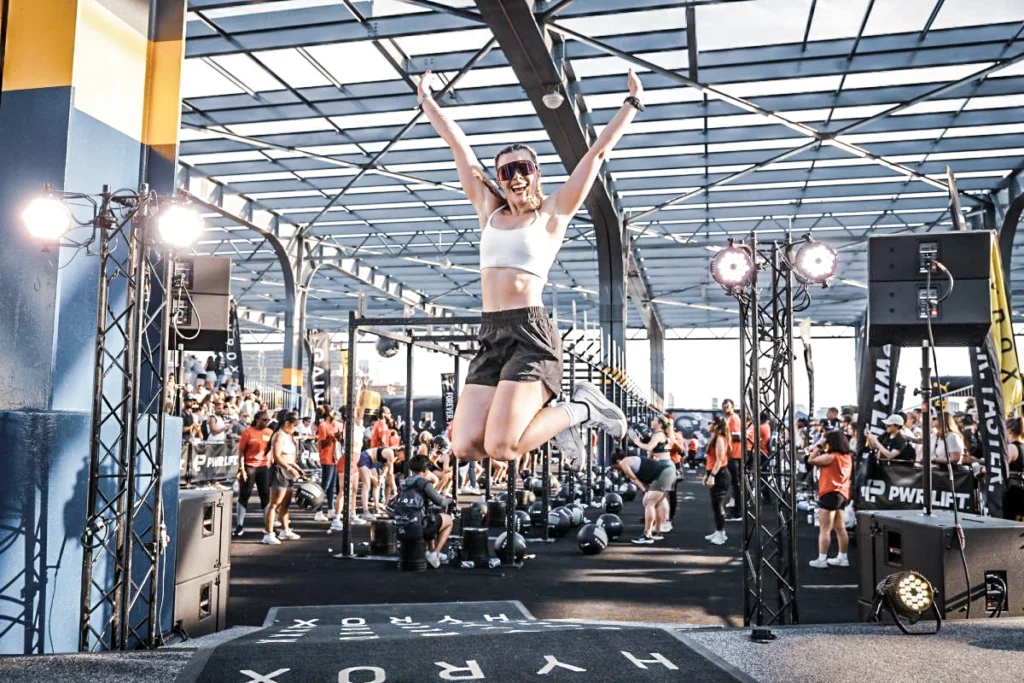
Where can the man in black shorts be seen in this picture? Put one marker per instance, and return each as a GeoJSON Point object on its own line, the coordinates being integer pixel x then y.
{"type": "Point", "coordinates": [415, 515]}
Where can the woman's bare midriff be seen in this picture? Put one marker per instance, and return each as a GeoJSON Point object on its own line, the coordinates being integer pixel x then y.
{"type": "Point", "coordinates": [509, 288]}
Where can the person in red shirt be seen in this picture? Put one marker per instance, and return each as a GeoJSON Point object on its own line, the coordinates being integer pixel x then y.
{"type": "Point", "coordinates": [717, 475]}
{"type": "Point", "coordinates": [835, 469]}
{"type": "Point", "coordinates": [691, 450]}
{"type": "Point", "coordinates": [381, 429]}
{"type": "Point", "coordinates": [253, 468]}
{"type": "Point", "coordinates": [735, 427]}
{"type": "Point", "coordinates": [765, 431]}
{"type": "Point", "coordinates": [329, 435]}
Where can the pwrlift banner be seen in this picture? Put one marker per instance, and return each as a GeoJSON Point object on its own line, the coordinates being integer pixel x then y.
{"type": "Point", "coordinates": [233, 353]}
{"type": "Point", "coordinates": [877, 387]}
{"type": "Point", "coordinates": [320, 371]}
{"type": "Point", "coordinates": [447, 399]}
{"type": "Point", "coordinates": [896, 487]}
{"type": "Point", "coordinates": [997, 388]}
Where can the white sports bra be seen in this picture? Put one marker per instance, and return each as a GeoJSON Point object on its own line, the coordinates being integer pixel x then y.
{"type": "Point", "coordinates": [527, 248]}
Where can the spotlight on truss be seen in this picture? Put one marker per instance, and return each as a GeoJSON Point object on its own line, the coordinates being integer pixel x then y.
{"type": "Point", "coordinates": [733, 267]}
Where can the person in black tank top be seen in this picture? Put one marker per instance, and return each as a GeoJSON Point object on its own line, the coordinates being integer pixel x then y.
{"type": "Point", "coordinates": [1013, 497]}
{"type": "Point", "coordinates": [660, 446]}
{"type": "Point", "coordinates": [656, 479]}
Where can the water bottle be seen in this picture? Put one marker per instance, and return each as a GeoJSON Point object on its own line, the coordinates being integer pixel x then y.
{"type": "Point", "coordinates": [466, 564]}
{"type": "Point", "coordinates": [493, 562]}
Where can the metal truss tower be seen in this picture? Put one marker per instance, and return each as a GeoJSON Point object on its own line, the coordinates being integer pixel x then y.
{"type": "Point", "coordinates": [768, 490]}
{"type": "Point", "coordinates": [124, 532]}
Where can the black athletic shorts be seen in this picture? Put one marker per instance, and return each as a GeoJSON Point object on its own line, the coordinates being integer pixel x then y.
{"type": "Point", "coordinates": [519, 345]}
{"type": "Point", "coordinates": [832, 500]}
{"type": "Point", "coordinates": [431, 524]}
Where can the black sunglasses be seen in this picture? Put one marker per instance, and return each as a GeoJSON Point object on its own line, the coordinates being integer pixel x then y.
{"type": "Point", "coordinates": [508, 171]}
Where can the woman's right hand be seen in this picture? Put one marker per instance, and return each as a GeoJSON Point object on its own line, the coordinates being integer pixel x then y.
{"type": "Point", "coordinates": [423, 89]}
{"type": "Point", "coordinates": [709, 480]}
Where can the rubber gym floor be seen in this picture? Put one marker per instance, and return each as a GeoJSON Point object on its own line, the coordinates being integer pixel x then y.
{"type": "Point", "coordinates": [683, 579]}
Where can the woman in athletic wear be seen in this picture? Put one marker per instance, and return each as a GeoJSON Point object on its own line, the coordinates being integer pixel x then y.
{"type": "Point", "coordinates": [717, 477]}
{"type": "Point", "coordinates": [373, 463]}
{"type": "Point", "coordinates": [1013, 499]}
{"type": "Point", "coordinates": [518, 369]}
{"type": "Point", "coordinates": [948, 444]}
{"type": "Point", "coordinates": [253, 468]}
{"type": "Point", "coordinates": [660, 448]}
{"type": "Point", "coordinates": [832, 457]}
{"type": "Point", "coordinates": [283, 471]}
{"type": "Point", "coordinates": [655, 479]}
{"type": "Point", "coordinates": [349, 497]}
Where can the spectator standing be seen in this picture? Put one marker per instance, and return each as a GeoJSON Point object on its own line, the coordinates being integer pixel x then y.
{"type": "Point", "coordinates": [717, 475]}
{"type": "Point", "coordinates": [835, 463]}
{"type": "Point", "coordinates": [329, 440]}
{"type": "Point", "coordinates": [735, 425]}
{"type": "Point", "coordinates": [1013, 500]}
{"type": "Point", "coordinates": [253, 468]}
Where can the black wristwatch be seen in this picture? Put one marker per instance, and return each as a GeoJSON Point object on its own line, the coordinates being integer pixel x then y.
{"type": "Point", "coordinates": [635, 101]}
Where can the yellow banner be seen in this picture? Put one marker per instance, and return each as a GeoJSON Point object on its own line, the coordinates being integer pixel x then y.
{"type": "Point", "coordinates": [372, 400]}
{"type": "Point", "coordinates": [1002, 331]}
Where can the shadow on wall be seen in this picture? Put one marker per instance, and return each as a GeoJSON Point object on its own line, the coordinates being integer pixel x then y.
{"type": "Point", "coordinates": [45, 455]}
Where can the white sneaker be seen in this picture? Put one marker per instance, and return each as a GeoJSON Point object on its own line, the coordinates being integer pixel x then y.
{"type": "Point", "coordinates": [570, 443]}
{"type": "Point", "coordinates": [433, 559]}
{"type": "Point", "coordinates": [270, 539]}
{"type": "Point", "coordinates": [277, 524]}
{"type": "Point", "coordinates": [468, 491]}
{"type": "Point", "coordinates": [288, 535]}
{"type": "Point", "coordinates": [604, 414]}
{"type": "Point", "coordinates": [665, 527]}
{"type": "Point", "coordinates": [711, 535]}
{"type": "Point", "coordinates": [838, 562]}
{"type": "Point", "coordinates": [719, 538]}
{"type": "Point", "coordinates": [320, 516]}
{"type": "Point", "coordinates": [819, 564]}
{"type": "Point", "coordinates": [337, 524]}
{"type": "Point", "coordinates": [357, 521]}
{"type": "Point", "coordinates": [368, 516]}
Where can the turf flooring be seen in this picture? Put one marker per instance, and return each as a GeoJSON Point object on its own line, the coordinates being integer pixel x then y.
{"type": "Point", "coordinates": [683, 579]}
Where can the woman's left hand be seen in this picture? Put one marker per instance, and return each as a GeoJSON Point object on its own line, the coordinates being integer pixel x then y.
{"type": "Point", "coordinates": [636, 88]}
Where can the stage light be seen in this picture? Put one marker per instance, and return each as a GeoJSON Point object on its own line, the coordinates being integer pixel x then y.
{"type": "Point", "coordinates": [908, 595]}
{"type": "Point", "coordinates": [816, 262]}
{"type": "Point", "coordinates": [179, 225]}
{"type": "Point", "coordinates": [732, 267]}
{"type": "Point", "coordinates": [47, 218]}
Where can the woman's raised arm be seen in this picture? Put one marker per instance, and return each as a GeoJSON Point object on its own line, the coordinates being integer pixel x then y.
{"type": "Point", "coordinates": [471, 175]}
{"type": "Point", "coordinates": [568, 198]}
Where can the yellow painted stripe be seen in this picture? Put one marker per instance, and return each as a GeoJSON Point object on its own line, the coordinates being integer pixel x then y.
{"type": "Point", "coordinates": [291, 377]}
{"type": "Point", "coordinates": [163, 97]}
{"type": "Point", "coordinates": [40, 44]}
{"type": "Point", "coordinates": [110, 69]}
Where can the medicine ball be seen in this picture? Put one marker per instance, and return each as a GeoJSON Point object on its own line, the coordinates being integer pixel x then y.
{"type": "Point", "coordinates": [387, 347]}
{"type": "Point", "coordinates": [519, 547]}
{"type": "Point", "coordinates": [591, 539]}
{"type": "Point", "coordinates": [535, 484]}
{"type": "Point", "coordinates": [524, 497]}
{"type": "Point", "coordinates": [475, 515]}
{"type": "Point", "coordinates": [576, 511]}
{"type": "Point", "coordinates": [363, 549]}
{"type": "Point", "coordinates": [612, 503]}
{"type": "Point", "coordinates": [612, 525]}
{"type": "Point", "coordinates": [559, 522]}
{"type": "Point", "coordinates": [536, 513]}
{"type": "Point", "coordinates": [523, 521]}
{"type": "Point", "coordinates": [501, 496]}
{"type": "Point", "coordinates": [440, 442]}
{"type": "Point", "coordinates": [308, 496]}
{"type": "Point", "coordinates": [629, 491]}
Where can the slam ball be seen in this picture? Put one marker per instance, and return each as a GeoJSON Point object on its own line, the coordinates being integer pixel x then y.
{"type": "Point", "coordinates": [308, 495]}
{"type": "Point", "coordinates": [591, 539]}
{"type": "Point", "coordinates": [559, 522]}
{"type": "Point", "coordinates": [519, 546]}
{"type": "Point", "coordinates": [536, 513]}
{"type": "Point", "coordinates": [612, 525]}
{"type": "Point", "coordinates": [629, 492]}
{"type": "Point", "coordinates": [613, 503]}
{"type": "Point", "coordinates": [523, 521]}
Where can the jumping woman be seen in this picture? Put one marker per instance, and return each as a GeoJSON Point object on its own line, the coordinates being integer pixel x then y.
{"type": "Point", "coordinates": [518, 368]}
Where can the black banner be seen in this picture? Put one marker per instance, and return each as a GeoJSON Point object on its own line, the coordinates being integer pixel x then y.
{"type": "Point", "coordinates": [877, 387]}
{"type": "Point", "coordinates": [205, 463]}
{"type": "Point", "coordinates": [320, 370]}
{"type": "Point", "coordinates": [233, 352]}
{"type": "Point", "coordinates": [896, 487]}
{"type": "Point", "coordinates": [988, 391]}
{"type": "Point", "coordinates": [447, 399]}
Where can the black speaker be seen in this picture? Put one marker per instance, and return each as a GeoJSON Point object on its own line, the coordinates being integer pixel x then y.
{"type": "Point", "coordinates": [201, 604]}
{"type": "Point", "coordinates": [204, 532]}
{"type": "Point", "coordinates": [200, 302]}
{"type": "Point", "coordinates": [902, 540]}
{"type": "Point", "coordinates": [899, 294]}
